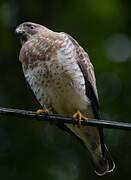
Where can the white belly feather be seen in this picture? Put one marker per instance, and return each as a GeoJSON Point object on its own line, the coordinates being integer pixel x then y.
{"type": "Point", "coordinates": [60, 84]}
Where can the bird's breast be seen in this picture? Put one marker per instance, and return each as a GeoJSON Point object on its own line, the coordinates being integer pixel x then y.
{"type": "Point", "coordinates": [60, 84]}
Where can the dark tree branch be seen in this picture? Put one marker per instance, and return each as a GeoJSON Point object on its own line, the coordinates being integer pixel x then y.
{"type": "Point", "coordinates": [59, 118]}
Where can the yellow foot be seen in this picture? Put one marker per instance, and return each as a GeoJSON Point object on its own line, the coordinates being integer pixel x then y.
{"type": "Point", "coordinates": [42, 111]}
{"type": "Point", "coordinates": [78, 116]}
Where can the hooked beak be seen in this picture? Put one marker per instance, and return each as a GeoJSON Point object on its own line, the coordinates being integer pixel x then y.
{"type": "Point", "coordinates": [20, 33]}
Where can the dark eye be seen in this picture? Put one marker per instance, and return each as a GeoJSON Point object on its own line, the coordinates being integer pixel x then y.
{"type": "Point", "coordinates": [31, 27]}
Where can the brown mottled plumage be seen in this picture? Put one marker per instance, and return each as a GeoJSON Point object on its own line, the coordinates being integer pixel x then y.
{"type": "Point", "coordinates": [62, 78]}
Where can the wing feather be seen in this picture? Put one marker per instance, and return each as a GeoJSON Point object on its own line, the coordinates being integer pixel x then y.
{"type": "Point", "coordinates": [89, 75]}
{"type": "Point", "coordinates": [90, 83]}
{"type": "Point", "coordinates": [85, 63]}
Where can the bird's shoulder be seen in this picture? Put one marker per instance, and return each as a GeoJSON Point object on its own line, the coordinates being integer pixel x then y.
{"type": "Point", "coordinates": [84, 62]}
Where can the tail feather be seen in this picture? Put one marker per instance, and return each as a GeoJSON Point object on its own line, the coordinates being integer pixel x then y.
{"type": "Point", "coordinates": [104, 164]}
{"type": "Point", "coordinates": [109, 159]}
{"type": "Point", "coordinates": [89, 137]}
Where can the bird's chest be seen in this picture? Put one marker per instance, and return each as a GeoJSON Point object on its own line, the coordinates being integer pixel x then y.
{"type": "Point", "coordinates": [60, 85]}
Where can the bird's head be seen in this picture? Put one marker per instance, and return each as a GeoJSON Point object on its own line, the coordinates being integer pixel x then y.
{"type": "Point", "coordinates": [27, 29]}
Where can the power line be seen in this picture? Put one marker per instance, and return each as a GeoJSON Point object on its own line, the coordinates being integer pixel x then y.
{"type": "Point", "coordinates": [55, 118]}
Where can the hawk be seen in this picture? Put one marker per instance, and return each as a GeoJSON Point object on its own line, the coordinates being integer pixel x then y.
{"type": "Point", "coordinates": [62, 78]}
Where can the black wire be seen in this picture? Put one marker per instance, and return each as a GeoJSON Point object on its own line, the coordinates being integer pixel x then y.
{"type": "Point", "coordinates": [59, 118]}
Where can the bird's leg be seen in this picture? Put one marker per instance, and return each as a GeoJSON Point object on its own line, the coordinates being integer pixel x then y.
{"type": "Point", "coordinates": [42, 111]}
{"type": "Point", "coordinates": [78, 116]}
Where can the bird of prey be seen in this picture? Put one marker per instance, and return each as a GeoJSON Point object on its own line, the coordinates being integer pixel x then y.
{"type": "Point", "coordinates": [62, 78]}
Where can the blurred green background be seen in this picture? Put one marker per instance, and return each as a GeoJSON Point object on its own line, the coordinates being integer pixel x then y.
{"type": "Point", "coordinates": [37, 150]}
